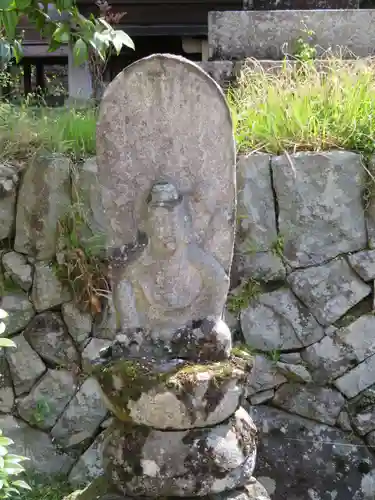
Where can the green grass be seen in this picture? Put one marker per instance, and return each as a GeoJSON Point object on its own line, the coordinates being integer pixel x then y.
{"type": "Point", "coordinates": [297, 108]}
{"type": "Point", "coordinates": [303, 108]}
{"type": "Point", "coordinates": [45, 489]}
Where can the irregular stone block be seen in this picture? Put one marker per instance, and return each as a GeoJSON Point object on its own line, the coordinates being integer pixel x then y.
{"type": "Point", "coordinates": [330, 290]}
{"type": "Point", "coordinates": [278, 321]}
{"type": "Point", "coordinates": [194, 462]}
{"type": "Point", "coordinates": [173, 395]}
{"type": "Point", "coordinates": [255, 201]}
{"type": "Point", "coordinates": [328, 359]}
{"type": "Point", "coordinates": [79, 323]}
{"type": "Point", "coordinates": [43, 457]}
{"type": "Point", "coordinates": [6, 386]}
{"type": "Point", "coordinates": [25, 365]}
{"type": "Point", "coordinates": [47, 334]}
{"type": "Point", "coordinates": [261, 266]}
{"type": "Point", "coordinates": [363, 264]}
{"type": "Point", "coordinates": [81, 418]}
{"type": "Point", "coordinates": [47, 399]}
{"type": "Point", "coordinates": [44, 198]}
{"type": "Point", "coordinates": [370, 440]}
{"type": "Point", "coordinates": [105, 326]}
{"type": "Point", "coordinates": [20, 311]}
{"type": "Point", "coordinates": [292, 358]}
{"type": "Point", "coordinates": [364, 422]}
{"type": "Point", "coordinates": [264, 376]}
{"type": "Point", "coordinates": [269, 34]}
{"type": "Point", "coordinates": [8, 196]}
{"type": "Point", "coordinates": [317, 403]}
{"type": "Point", "coordinates": [343, 421]}
{"type": "Point", "coordinates": [262, 397]}
{"type": "Point", "coordinates": [91, 352]}
{"type": "Point", "coordinates": [295, 452]}
{"type": "Point", "coordinates": [294, 373]}
{"type": "Point", "coordinates": [359, 336]}
{"type": "Point", "coordinates": [89, 465]}
{"type": "Point", "coordinates": [320, 205]}
{"type": "Point", "coordinates": [17, 267]}
{"type": "Point", "coordinates": [358, 379]}
{"type": "Point", "coordinates": [47, 291]}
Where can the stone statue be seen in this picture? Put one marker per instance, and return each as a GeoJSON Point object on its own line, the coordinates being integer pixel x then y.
{"type": "Point", "coordinates": [166, 161]}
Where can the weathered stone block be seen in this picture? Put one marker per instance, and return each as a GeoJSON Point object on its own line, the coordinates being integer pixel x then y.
{"type": "Point", "coordinates": [363, 263]}
{"type": "Point", "coordinates": [81, 418]}
{"type": "Point", "coordinates": [278, 320]}
{"type": "Point", "coordinates": [260, 266]}
{"type": "Point", "coordinates": [91, 352]}
{"type": "Point", "coordinates": [358, 379]}
{"type": "Point", "coordinates": [330, 290]}
{"type": "Point", "coordinates": [25, 365]}
{"type": "Point", "coordinates": [295, 453]}
{"type": "Point", "coordinates": [6, 386]}
{"type": "Point", "coordinates": [89, 465]}
{"type": "Point", "coordinates": [264, 376]}
{"type": "Point", "coordinates": [48, 335]}
{"type": "Point", "coordinates": [316, 403]}
{"type": "Point", "coordinates": [237, 35]}
{"type": "Point", "coordinates": [47, 399]}
{"type": "Point", "coordinates": [175, 394]}
{"type": "Point", "coordinates": [47, 291]}
{"type": "Point", "coordinates": [8, 196]}
{"type": "Point", "coordinates": [320, 205]}
{"type": "Point", "coordinates": [294, 373]}
{"type": "Point", "coordinates": [79, 323]}
{"type": "Point", "coordinates": [196, 462]}
{"type": "Point", "coordinates": [20, 311]}
{"type": "Point", "coordinates": [44, 197]}
{"type": "Point", "coordinates": [17, 267]}
{"type": "Point", "coordinates": [37, 446]}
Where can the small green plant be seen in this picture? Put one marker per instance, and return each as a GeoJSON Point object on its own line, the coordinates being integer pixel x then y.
{"type": "Point", "coordinates": [241, 297]}
{"type": "Point", "coordinates": [277, 247]}
{"type": "Point", "coordinates": [41, 411]}
{"type": "Point", "coordinates": [274, 355]}
{"type": "Point", "coordinates": [10, 464]}
{"type": "Point", "coordinates": [304, 50]}
{"type": "Point", "coordinates": [79, 265]}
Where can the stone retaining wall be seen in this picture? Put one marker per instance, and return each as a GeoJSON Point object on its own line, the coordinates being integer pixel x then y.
{"type": "Point", "coordinates": [302, 301]}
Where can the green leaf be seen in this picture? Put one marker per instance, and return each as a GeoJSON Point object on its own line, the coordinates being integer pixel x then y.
{"type": "Point", "coordinates": [10, 21]}
{"type": "Point", "coordinates": [2, 463]}
{"type": "Point", "coordinates": [4, 441]}
{"type": "Point", "coordinates": [5, 4]}
{"type": "Point", "coordinates": [80, 52]}
{"type": "Point", "coordinates": [102, 21]}
{"type": "Point", "coordinates": [13, 469]}
{"type": "Point", "coordinates": [3, 451]}
{"type": "Point", "coordinates": [61, 34]}
{"type": "Point", "coordinates": [15, 459]}
{"type": "Point", "coordinates": [121, 39]}
{"type": "Point", "coordinates": [54, 45]}
{"type": "Point", "coordinates": [1, 484]}
{"type": "Point", "coordinates": [6, 342]}
{"type": "Point", "coordinates": [22, 484]}
{"type": "Point", "coordinates": [17, 50]}
{"type": "Point", "coordinates": [23, 4]}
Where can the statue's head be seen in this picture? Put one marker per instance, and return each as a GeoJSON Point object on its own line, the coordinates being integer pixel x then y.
{"type": "Point", "coordinates": [165, 218]}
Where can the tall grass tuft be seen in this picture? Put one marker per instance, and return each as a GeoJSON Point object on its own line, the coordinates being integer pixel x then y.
{"type": "Point", "coordinates": [305, 106]}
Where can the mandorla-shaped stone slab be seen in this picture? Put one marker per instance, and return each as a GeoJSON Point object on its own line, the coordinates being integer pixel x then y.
{"type": "Point", "coordinates": [174, 394]}
{"type": "Point", "coordinates": [44, 197]}
{"type": "Point", "coordinates": [139, 460]}
{"type": "Point", "coordinates": [8, 196]}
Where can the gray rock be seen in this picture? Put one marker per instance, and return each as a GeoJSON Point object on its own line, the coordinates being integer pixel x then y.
{"type": "Point", "coordinates": [187, 467]}
{"type": "Point", "coordinates": [89, 464]}
{"type": "Point", "coordinates": [81, 418]}
{"type": "Point", "coordinates": [292, 358]}
{"type": "Point", "coordinates": [254, 490]}
{"type": "Point", "coordinates": [363, 263]}
{"type": "Point", "coordinates": [37, 446]}
{"type": "Point", "coordinates": [262, 397]}
{"type": "Point", "coordinates": [320, 205]}
{"type": "Point", "coordinates": [359, 336]}
{"type": "Point", "coordinates": [278, 321]}
{"type": "Point", "coordinates": [261, 266]}
{"type": "Point", "coordinates": [47, 334]}
{"type": "Point", "coordinates": [18, 269]}
{"type": "Point", "coordinates": [6, 385]}
{"type": "Point", "coordinates": [206, 161]}
{"type": "Point", "coordinates": [343, 421]}
{"type": "Point", "coordinates": [232, 320]}
{"type": "Point", "coordinates": [47, 291]}
{"type": "Point", "coordinates": [256, 205]}
{"type": "Point", "coordinates": [20, 311]}
{"type": "Point", "coordinates": [91, 351]}
{"type": "Point", "coordinates": [328, 359]}
{"type": "Point", "coordinates": [307, 460]}
{"type": "Point", "coordinates": [8, 196]}
{"type": "Point", "coordinates": [43, 198]}
{"type": "Point", "coordinates": [330, 290]}
{"type": "Point", "coordinates": [358, 379]}
{"type": "Point", "coordinates": [317, 403]}
{"type": "Point", "coordinates": [370, 440]}
{"type": "Point", "coordinates": [79, 323]}
{"type": "Point", "coordinates": [294, 373]}
{"type": "Point", "coordinates": [105, 325]}
{"type": "Point", "coordinates": [364, 422]}
{"type": "Point", "coordinates": [264, 376]}
{"type": "Point", "coordinates": [25, 365]}
{"type": "Point", "coordinates": [47, 399]}
{"type": "Point", "coordinates": [263, 34]}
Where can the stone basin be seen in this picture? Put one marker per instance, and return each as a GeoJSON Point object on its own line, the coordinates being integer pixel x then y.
{"type": "Point", "coordinates": [172, 395]}
{"type": "Point", "coordinates": [140, 461]}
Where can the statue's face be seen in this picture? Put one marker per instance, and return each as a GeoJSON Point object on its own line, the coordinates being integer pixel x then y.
{"type": "Point", "coordinates": [165, 227]}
